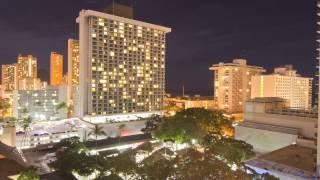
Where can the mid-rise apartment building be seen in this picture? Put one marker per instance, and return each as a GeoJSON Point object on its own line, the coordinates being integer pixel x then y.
{"type": "Point", "coordinates": [122, 65]}
{"type": "Point", "coordinates": [175, 104]}
{"type": "Point", "coordinates": [232, 84]}
{"type": "Point", "coordinates": [27, 67]}
{"type": "Point", "coordinates": [284, 83]}
{"type": "Point", "coordinates": [56, 69]}
{"type": "Point", "coordinates": [9, 77]}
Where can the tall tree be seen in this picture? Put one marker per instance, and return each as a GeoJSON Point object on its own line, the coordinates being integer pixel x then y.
{"type": "Point", "coordinates": [152, 124]}
{"type": "Point", "coordinates": [73, 156]}
{"type": "Point", "coordinates": [234, 151]}
{"type": "Point", "coordinates": [97, 131]}
{"type": "Point", "coordinates": [193, 123]}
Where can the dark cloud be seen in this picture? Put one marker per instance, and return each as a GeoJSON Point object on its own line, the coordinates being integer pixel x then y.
{"type": "Point", "coordinates": [267, 33]}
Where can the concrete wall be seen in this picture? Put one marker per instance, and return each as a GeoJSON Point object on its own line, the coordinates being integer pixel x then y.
{"type": "Point", "coordinates": [8, 136]}
{"type": "Point", "coordinates": [306, 125]}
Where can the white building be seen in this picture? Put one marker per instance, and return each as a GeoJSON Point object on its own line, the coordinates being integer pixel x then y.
{"type": "Point", "coordinates": [40, 104]}
{"type": "Point", "coordinates": [284, 83]}
{"type": "Point", "coordinates": [283, 138]}
{"type": "Point", "coordinates": [268, 119]}
{"type": "Point", "coordinates": [232, 84]}
{"type": "Point", "coordinates": [122, 65]}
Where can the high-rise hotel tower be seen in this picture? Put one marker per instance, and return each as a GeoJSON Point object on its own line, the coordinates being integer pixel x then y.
{"type": "Point", "coordinates": [122, 66]}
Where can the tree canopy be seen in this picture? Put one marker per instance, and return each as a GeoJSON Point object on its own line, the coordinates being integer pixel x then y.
{"type": "Point", "coordinates": [28, 175]}
{"type": "Point", "coordinates": [210, 158]}
{"type": "Point", "coordinates": [194, 123]}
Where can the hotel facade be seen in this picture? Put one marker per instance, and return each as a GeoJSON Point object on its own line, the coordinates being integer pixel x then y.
{"type": "Point", "coordinates": [122, 66]}
{"type": "Point", "coordinates": [284, 83]}
{"type": "Point", "coordinates": [232, 84]}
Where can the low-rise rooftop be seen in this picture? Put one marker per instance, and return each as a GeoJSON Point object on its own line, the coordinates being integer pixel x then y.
{"type": "Point", "coordinates": [293, 160]}
{"type": "Point", "coordinates": [269, 127]}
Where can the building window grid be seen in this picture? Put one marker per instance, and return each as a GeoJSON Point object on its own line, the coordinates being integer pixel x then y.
{"type": "Point", "coordinates": [101, 48]}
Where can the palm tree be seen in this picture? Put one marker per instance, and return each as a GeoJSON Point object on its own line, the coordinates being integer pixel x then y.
{"type": "Point", "coordinates": [97, 131]}
{"type": "Point", "coordinates": [69, 108]}
{"type": "Point", "coordinates": [63, 105]}
{"type": "Point", "coordinates": [25, 123]}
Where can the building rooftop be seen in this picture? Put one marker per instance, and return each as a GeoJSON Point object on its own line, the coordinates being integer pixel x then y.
{"type": "Point", "coordinates": [266, 100]}
{"type": "Point", "coordinates": [87, 13]}
{"type": "Point", "coordinates": [192, 98]}
{"type": "Point", "coordinates": [236, 63]}
{"type": "Point", "coordinates": [294, 112]}
{"type": "Point", "coordinates": [269, 127]}
{"type": "Point", "coordinates": [294, 160]}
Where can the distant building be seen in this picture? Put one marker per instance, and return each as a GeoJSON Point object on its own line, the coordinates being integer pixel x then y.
{"type": "Point", "coordinates": [232, 84]}
{"type": "Point", "coordinates": [284, 83]}
{"type": "Point", "coordinates": [73, 68]}
{"type": "Point", "coordinates": [172, 104]}
{"type": "Point", "coordinates": [31, 84]}
{"type": "Point", "coordinates": [27, 67]}
{"type": "Point", "coordinates": [122, 66]}
{"type": "Point", "coordinates": [9, 77]}
{"type": "Point", "coordinates": [40, 104]}
{"type": "Point", "coordinates": [56, 69]}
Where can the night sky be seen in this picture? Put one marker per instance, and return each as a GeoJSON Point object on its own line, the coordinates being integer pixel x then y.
{"type": "Point", "coordinates": [267, 33]}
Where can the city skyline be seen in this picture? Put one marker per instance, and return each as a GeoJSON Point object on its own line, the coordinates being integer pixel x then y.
{"type": "Point", "coordinates": [286, 37]}
{"type": "Point", "coordinates": [176, 90]}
